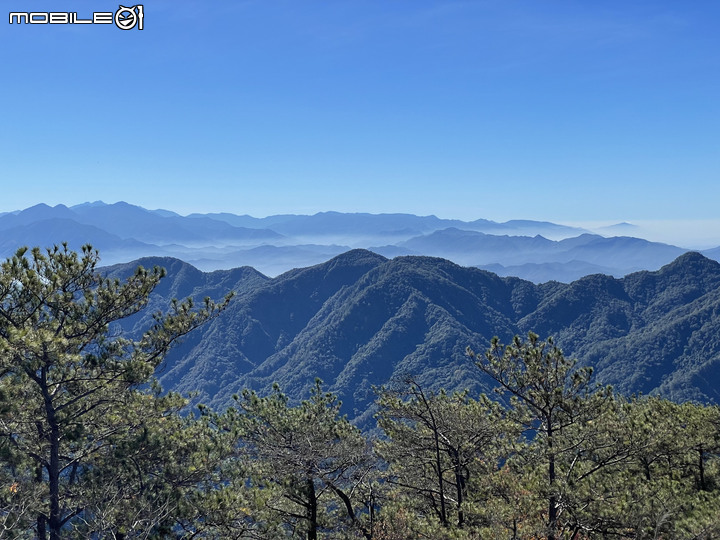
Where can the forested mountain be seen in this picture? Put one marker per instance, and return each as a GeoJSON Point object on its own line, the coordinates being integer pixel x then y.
{"type": "Point", "coordinates": [91, 447]}
{"type": "Point", "coordinates": [360, 319]}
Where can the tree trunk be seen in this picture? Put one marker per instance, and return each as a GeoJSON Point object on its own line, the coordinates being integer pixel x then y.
{"type": "Point", "coordinates": [552, 500]}
{"type": "Point", "coordinates": [351, 512]}
{"type": "Point", "coordinates": [54, 521]}
{"type": "Point", "coordinates": [459, 487]}
{"type": "Point", "coordinates": [432, 424]}
{"type": "Point", "coordinates": [42, 533]}
{"type": "Point", "coordinates": [441, 484]}
{"type": "Point", "coordinates": [460, 494]}
{"type": "Point", "coordinates": [41, 519]}
{"type": "Point", "coordinates": [312, 510]}
{"type": "Point", "coordinates": [54, 483]}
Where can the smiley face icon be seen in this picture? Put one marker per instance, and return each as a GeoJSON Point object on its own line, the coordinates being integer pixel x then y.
{"type": "Point", "coordinates": [126, 18]}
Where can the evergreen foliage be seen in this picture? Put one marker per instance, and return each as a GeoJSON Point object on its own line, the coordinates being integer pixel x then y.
{"type": "Point", "coordinates": [72, 396]}
{"type": "Point", "coordinates": [308, 459]}
{"type": "Point", "coordinates": [437, 446]}
{"type": "Point", "coordinates": [90, 447]}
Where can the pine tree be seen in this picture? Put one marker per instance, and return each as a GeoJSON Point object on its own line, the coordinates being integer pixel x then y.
{"type": "Point", "coordinates": [550, 397]}
{"type": "Point", "coordinates": [73, 388]}
{"type": "Point", "coordinates": [436, 447]}
{"type": "Point", "coordinates": [307, 459]}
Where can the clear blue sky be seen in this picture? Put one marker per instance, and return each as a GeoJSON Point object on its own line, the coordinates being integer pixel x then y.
{"type": "Point", "coordinates": [539, 109]}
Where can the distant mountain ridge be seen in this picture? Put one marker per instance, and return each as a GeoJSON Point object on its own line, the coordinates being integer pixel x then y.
{"type": "Point", "coordinates": [360, 319]}
{"type": "Point", "coordinates": [536, 250]}
{"type": "Point", "coordinates": [332, 223]}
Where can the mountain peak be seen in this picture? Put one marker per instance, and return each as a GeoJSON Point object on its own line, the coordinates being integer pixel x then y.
{"type": "Point", "coordinates": [39, 206]}
{"type": "Point", "coordinates": [356, 257]}
{"type": "Point", "coordinates": [43, 211]}
{"type": "Point", "coordinates": [689, 257]}
{"type": "Point", "coordinates": [692, 260]}
{"type": "Point", "coordinates": [88, 204]}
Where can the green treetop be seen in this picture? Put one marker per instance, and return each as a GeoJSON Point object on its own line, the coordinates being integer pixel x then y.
{"type": "Point", "coordinates": [69, 381]}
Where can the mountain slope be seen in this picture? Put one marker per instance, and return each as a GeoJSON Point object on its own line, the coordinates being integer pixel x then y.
{"type": "Point", "coordinates": [360, 320]}
{"type": "Point", "coordinates": [408, 315]}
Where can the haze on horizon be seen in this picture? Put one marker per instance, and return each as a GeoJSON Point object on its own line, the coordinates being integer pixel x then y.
{"type": "Point", "coordinates": [564, 112]}
{"type": "Point", "coordinates": [690, 234]}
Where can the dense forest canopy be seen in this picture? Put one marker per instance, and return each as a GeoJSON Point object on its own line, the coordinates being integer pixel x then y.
{"type": "Point", "coordinates": [360, 320]}
{"type": "Point", "coordinates": [91, 447]}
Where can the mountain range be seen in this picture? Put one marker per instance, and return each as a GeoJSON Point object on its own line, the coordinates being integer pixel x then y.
{"type": "Point", "coordinates": [535, 250]}
{"type": "Point", "coordinates": [361, 320]}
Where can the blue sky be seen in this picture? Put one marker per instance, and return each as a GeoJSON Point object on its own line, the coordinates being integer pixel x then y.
{"type": "Point", "coordinates": [537, 109]}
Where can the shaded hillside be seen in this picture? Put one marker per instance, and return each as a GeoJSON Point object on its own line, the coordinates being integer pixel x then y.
{"type": "Point", "coordinates": [184, 280]}
{"type": "Point", "coordinates": [410, 315]}
{"type": "Point", "coordinates": [261, 320]}
{"type": "Point", "coordinates": [360, 319]}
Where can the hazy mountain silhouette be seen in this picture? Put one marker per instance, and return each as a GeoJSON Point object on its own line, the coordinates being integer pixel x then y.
{"type": "Point", "coordinates": [535, 250]}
